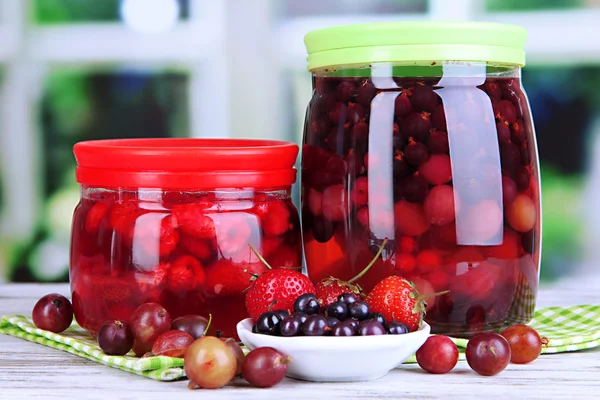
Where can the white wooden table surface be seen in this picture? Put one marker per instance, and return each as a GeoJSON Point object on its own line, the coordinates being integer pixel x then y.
{"type": "Point", "coordinates": [30, 371]}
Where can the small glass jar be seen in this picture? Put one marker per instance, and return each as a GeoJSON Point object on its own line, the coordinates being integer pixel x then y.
{"type": "Point", "coordinates": [421, 133]}
{"type": "Point", "coordinates": [172, 220]}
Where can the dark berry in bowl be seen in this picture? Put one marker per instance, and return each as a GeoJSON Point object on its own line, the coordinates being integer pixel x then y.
{"type": "Point", "coordinates": [307, 303]}
{"type": "Point", "coordinates": [370, 327]}
{"type": "Point", "coordinates": [358, 310]}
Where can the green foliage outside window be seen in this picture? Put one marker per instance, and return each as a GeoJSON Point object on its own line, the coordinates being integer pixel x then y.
{"type": "Point", "coordinates": [531, 5]}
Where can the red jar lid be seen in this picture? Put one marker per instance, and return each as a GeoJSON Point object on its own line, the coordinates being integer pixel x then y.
{"type": "Point", "coordinates": [186, 163]}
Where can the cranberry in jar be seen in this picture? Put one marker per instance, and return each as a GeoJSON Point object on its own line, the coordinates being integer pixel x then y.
{"type": "Point", "coordinates": [421, 133]}
{"type": "Point", "coordinates": [172, 221]}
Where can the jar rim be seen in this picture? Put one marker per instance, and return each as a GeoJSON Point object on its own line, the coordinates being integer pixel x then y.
{"type": "Point", "coordinates": [185, 163]}
{"type": "Point", "coordinates": [419, 41]}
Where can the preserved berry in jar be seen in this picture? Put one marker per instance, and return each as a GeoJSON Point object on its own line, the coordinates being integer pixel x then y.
{"type": "Point", "coordinates": [171, 221]}
{"type": "Point", "coordinates": [421, 133]}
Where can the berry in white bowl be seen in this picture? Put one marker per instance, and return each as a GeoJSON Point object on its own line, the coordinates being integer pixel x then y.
{"type": "Point", "coordinates": [338, 359]}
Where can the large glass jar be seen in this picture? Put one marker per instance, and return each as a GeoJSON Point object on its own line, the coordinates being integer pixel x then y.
{"type": "Point", "coordinates": [172, 220]}
{"type": "Point", "coordinates": [421, 133]}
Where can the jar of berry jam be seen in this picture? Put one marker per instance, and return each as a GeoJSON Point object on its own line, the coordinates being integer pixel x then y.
{"type": "Point", "coordinates": [172, 221]}
{"type": "Point", "coordinates": [421, 133]}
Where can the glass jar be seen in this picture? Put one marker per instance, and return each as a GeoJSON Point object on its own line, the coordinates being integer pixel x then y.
{"type": "Point", "coordinates": [421, 133]}
{"type": "Point", "coordinates": [172, 220]}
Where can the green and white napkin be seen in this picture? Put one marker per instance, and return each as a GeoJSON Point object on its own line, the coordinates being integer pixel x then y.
{"type": "Point", "coordinates": [78, 341]}
{"type": "Point", "coordinates": [567, 329]}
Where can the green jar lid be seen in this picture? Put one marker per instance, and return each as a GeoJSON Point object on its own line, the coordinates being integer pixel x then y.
{"type": "Point", "coordinates": [415, 41]}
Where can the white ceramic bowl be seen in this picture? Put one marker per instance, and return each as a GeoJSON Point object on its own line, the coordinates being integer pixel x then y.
{"type": "Point", "coordinates": [338, 359]}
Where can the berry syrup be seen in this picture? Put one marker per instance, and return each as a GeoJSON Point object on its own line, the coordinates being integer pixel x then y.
{"type": "Point", "coordinates": [446, 170]}
{"type": "Point", "coordinates": [187, 251]}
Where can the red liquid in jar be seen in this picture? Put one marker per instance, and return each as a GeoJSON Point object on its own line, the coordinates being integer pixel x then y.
{"type": "Point", "coordinates": [375, 168]}
{"type": "Point", "coordinates": [187, 251]}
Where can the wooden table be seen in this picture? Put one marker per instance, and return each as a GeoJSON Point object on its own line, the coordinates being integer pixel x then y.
{"type": "Point", "coordinates": [30, 371]}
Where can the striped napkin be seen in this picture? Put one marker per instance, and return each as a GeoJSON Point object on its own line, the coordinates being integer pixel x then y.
{"type": "Point", "coordinates": [567, 329]}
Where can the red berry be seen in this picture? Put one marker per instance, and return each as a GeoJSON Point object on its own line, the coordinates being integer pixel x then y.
{"type": "Point", "coordinates": [276, 289]}
{"type": "Point", "coordinates": [438, 279]}
{"type": "Point", "coordinates": [399, 300]}
{"type": "Point", "coordinates": [185, 274]}
{"type": "Point", "coordinates": [439, 206]}
{"type": "Point", "coordinates": [428, 260]}
{"type": "Point", "coordinates": [233, 232]}
{"type": "Point", "coordinates": [415, 189]}
{"type": "Point", "coordinates": [194, 221]}
{"type": "Point", "coordinates": [226, 278]}
{"type": "Point", "coordinates": [345, 90]}
{"type": "Point", "coordinates": [477, 282]}
{"type": "Point", "coordinates": [404, 263]}
{"type": "Point", "coordinates": [510, 156]}
{"type": "Point", "coordinates": [362, 215]}
{"type": "Point", "coordinates": [507, 111]}
{"type": "Point", "coordinates": [365, 93]}
{"type": "Point", "coordinates": [509, 190]}
{"type": "Point", "coordinates": [156, 233]}
{"type": "Point", "coordinates": [416, 125]}
{"type": "Point", "coordinates": [335, 203]}
{"type": "Point", "coordinates": [202, 249]}
{"type": "Point", "coordinates": [438, 355]}
{"type": "Point", "coordinates": [360, 192]}
{"type": "Point", "coordinates": [402, 105]}
{"type": "Point", "coordinates": [122, 219]}
{"type": "Point", "coordinates": [410, 218]}
{"type": "Point", "coordinates": [355, 113]}
{"type": "Point", "coordinates": [503, 131]}
{"type": "Point", "coordinates": [315, 200]}
{"type": "Point", "coordinates": [521, 213]}
{"type": "Point", "coordinates": [360, 131]}
{"type": "Point", "coordinates": [424, 98]}
{"type": "Point", "coordinates": [338, 113]}
{"type": "Point", "coordinates": [509, 249]}
{"type": "Point", "coordinates": [53, 312]}
{"type": "Point", "coordinates": [438, 142]}
{"type": "Point", "coordinates": [95, 216]}
{"type": "Point", "coordinates": [437, 170]}
{"type": "Point", "coordinates": [416, 153]}
{"type": "Point", "coordinates": [519, 134]}
{"type": "Point", "coordinates": [328, 290]}
{"type": "Point", "coordinates": [152, 283]}
{"type": "Point", "coordinates": [406, 244]}
{"type": "Point", "coordinates": [400, 167]}
{"type": "Point", "coordinates": [522, 178]}
{"type": "Point", "coordinates": [493, 90]}
{"type": "Point", "coordinates": [274, 216]}
{"type": "Point", "coordinates": [488, 353]}
{"type": "Point", "coordinates": [525, 343]}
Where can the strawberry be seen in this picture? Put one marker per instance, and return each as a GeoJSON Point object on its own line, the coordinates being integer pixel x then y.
{"type": "Point", "coordinates": [157, 233]}
{"type": "Point", "coordinates": [227, 278]}
{"type": "Point", "coordinates": [95, 216]}
{"type": "Point", "coordinates": [152, 283]}
{"type": "Point", "coordinates": [274, 217]}
{"type": "Point", "coordinates": [202, 249]}
{"type": "Point", "coordinates": [185, 274]}
{"type": "Point", "coordinates": [194, 220]}
{"type": "Point", "coordinates": [329, 289]}
{"type": "Point", "coordinates": [398, 299]}
{"type": "Point", "coordinates": [276, 289]}
{"type": "Point", "coordinates": [233, 232]}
